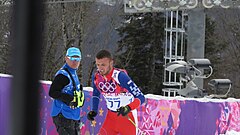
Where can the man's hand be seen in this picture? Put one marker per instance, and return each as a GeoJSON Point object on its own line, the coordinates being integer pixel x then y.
{"type": "Point", "coordinates": [91, 115]}
{"type": "Point", "coordinates": [73, 104]}
{"type": "Point", "coordinates": [123, 110]}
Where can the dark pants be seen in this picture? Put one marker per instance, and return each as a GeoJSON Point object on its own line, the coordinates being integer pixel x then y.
{"type": "Point", "coordinates": [66, 126]}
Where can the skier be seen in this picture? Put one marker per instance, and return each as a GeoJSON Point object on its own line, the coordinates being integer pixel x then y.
{"type": "Point", "coordinates": [122, 97]}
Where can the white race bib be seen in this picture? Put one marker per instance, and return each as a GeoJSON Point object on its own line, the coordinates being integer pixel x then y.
{"type": "Point", "coordinates": [115, 101]}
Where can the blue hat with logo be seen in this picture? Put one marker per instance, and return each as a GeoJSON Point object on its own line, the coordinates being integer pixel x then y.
{"type": "Point", "coordinates": [73, 51]}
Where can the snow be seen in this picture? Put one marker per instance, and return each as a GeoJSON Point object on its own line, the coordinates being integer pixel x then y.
{"type": "Point", "coordinates": [232, 132]}
{"type": "Point", "coordinates": [159, 97]}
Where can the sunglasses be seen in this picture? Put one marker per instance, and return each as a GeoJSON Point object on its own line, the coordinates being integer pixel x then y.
{"type": "Point", "coordinates": [74, 58]}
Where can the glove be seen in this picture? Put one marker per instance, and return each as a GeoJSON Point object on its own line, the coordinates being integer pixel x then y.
{"type": "Point", "coordinates": [91, 115]}
{"type": "Point", "coordinates": [123, 110]}
{"type": "Point", "coordinates": [73, 104]}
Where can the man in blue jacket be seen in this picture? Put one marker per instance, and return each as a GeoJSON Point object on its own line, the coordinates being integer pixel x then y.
{"type": "Point", "coordinates": [65, 108]}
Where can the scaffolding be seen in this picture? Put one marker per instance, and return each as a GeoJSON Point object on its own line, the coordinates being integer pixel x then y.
{"type": "Point", "coordinates": [174, 49]}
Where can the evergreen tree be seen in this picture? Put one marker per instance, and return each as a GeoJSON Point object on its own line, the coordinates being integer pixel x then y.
{"type": "Point", "coordinates": [213, 48]}
{"type": "Point", "coordinates": [140, 50]}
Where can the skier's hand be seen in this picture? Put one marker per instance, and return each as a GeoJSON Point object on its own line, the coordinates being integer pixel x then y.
{"type": "Point", "coordinates": [91, 115]}
{"type": "Point", "coordinates": [123, 110]}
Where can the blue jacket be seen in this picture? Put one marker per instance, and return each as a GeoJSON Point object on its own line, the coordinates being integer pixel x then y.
{"type": "Point", "coordinates": [59, 106]}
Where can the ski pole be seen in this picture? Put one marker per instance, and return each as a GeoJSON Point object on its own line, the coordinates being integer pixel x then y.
{"type": "Point", "coordinates": [92, 128]}
{"type": "Point", "coordinates": [142, 133]}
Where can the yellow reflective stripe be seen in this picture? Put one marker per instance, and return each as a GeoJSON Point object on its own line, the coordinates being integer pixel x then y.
{"type": "Point", "coordinates": [80, 98]}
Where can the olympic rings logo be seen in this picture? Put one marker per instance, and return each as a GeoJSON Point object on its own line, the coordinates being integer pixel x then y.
{"type": "Point", "coordinates": [107, 87]}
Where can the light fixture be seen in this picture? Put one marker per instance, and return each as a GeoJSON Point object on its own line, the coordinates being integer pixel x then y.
{"type": "Point", "coordinates": [189, 71]}
{"type": "Point", "coordinates": [220, 85]}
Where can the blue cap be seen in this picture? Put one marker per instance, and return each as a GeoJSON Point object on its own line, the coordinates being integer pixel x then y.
{"type": "Point", "coordinates": [73, 51]}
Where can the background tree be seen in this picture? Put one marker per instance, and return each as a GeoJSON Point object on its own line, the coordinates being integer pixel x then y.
{"type": "Point", "coordinates": [213, 49]}
{"type": "Point", "coordinates": [91, 26]}
{"type": "Point", "coordinates": [140, 50]}
{"type": "Point", "coordinates": [223, 45]}
{"type": "Point", "coordinates": [60, 35]}
{"type": "Point", "coordinates": [5, 48]}
{"type": "Point", "coordinates": [99, 33]}
{"type": "Point", "coordinates": [87, 25]}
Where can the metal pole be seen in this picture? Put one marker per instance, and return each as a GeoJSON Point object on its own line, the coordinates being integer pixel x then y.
{"type": "Point", "coordinates": [26, 44]}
